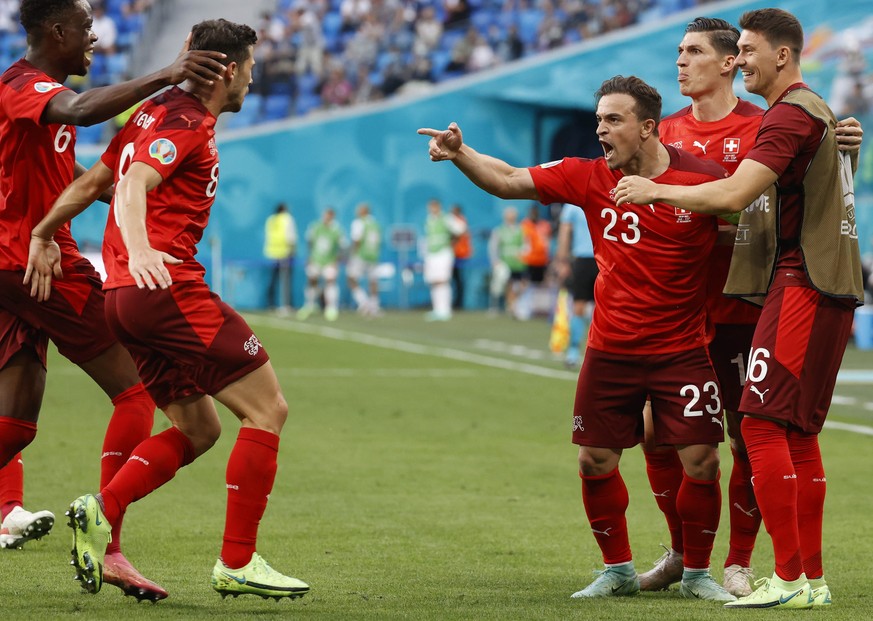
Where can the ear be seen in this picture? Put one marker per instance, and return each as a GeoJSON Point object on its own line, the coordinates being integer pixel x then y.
{"type": "Point", "coordinates": [727, 64]}
{"type": "Point", "coordinates": [56, 31]}
{"type": "Point", "coordinates": [230, 71]}
{"type": "Point", "coordinates": [783, 56]}
{"type": "Point", "coordinates": [647, 128]}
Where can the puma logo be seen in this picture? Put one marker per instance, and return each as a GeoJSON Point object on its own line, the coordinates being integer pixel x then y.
{"type": "Point", "coordinates": [760, 394]}
{"type": "Point", "coordinates": [191, 122]}
{"type": "Point", "coordinates": [718, 422]}
{"type": "Point", "coordinates": [702, 146]}
{"type": "Point", "coordinates": [602, 532]}
{"type": "Point", "coordinates": [749, 512]}
{"type": "Point", "coordinates": [664, 494]}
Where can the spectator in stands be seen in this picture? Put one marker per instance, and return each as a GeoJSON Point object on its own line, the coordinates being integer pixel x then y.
{"type": "Point", "coordinates": [337, 91]}
{"type": "Point", "coordinates": [353, 13]}
{"type": "Point", "coordinates": [462, 50]}
{"type": "Point", "coordinates": [507, 47]}
{"type": "Point", "coordinates": [105, 28]}
{"type": "Point", "coordinates": [306, 25]}
{"type": "Point", "coordinates": [8, 15]}
{"type": "Point", "coordinates": [428, 31]}
{"type": "Point", "coordinates": [482, 55]}
{"type": "Point", "coordinates": [457, 14]}
{"type": "Point", "coordinates": [363, 48]}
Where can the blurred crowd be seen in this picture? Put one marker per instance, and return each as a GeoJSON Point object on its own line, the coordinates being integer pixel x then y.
{"type": "Point", "coordinates": [317, 54]}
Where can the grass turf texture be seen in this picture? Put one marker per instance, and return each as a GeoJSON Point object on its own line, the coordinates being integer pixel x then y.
{"type": "Point", "coordinates": [411, 486]}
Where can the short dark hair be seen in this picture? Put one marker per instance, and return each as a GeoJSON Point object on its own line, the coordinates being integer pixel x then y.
{"type": "Point", "coordinates": [648, 100]}
{"type": "Point", "coordinates": [220, 35]}
{"type": "Point", "coordinates": [722, 34]}
{"type": "Point", "coordinates": [34, 13]}
{"type": "Point", "coordinates": [777, 26]}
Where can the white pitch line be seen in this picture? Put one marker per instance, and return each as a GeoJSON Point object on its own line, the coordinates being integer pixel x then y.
{"type": "Point", "coordinates": [412, 348]}
{"type": "Point", "coordinates": [354, 372]}
{"type": "Point", "coordinates": [456, 354]}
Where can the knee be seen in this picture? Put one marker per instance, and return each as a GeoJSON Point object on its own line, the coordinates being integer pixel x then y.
{"type": "Point", "coordinates": [704, 466]}
{"type": "Point", "coordinates": [595, 464]}
{"type": "Point", "coordinates": [204, 436]}
{"type": "Point", "coordinates": [271, 418]}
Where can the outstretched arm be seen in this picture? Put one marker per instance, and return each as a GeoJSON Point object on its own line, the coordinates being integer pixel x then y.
{"type": "Point", "coordinates": [729, 195]}
{"type": "Point", "coordinates": [145, 264]}
{"type": "Point", "coordinates": [489, 173]}
{"type": "Point", "coordinates": [44, 259]}
{"type": "Point", "coordinates": [99, 104]}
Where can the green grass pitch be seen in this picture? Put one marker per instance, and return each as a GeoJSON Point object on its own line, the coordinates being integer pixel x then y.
{"type": "Point", "coordinates": [426, 472]}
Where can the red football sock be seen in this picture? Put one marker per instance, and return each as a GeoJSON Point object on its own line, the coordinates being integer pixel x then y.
{"type": "Point", "coordinates": [251, 471]}
{"type": "Point", "coordinates": [15, 435]}
{"type": "Point", "coordinates": [745, 517]}
{"type": "Point", "coordinates": [699, 505]}
{"type": "Point", "coordinates": [811, 489]}
{"type": "Point", "coordinates": [131, 423]}
{"type": "Point", "coordinates": [605, 498]}
{"type": "Point", "coordinates": [11, 485]}
{"type": "Point", "coordinates": [151, 464]}
{"type": "Point", "coordinates": [775, 490]}
{"type": "Point", "coordinates": [665, 477]}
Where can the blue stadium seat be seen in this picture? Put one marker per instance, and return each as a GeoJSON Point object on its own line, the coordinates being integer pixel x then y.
{"type": "Point", "coordinates": [528, 24]}
{"type": "Point", "coordinates": [482, 20]}
{"type": "Point", "coordinates": [116, 66]}
{"type": "Point", "coordinates": [276, 107]}
{"type": "Point", "coordinates": [307, 102]}
{"type": "Point", "coordinates": [89, 135]}
{"type": "Point", "coordinates": [439, 59]}
{"type": "Point", "coordinates": [251, 109]}
{"type": "Point", "coordinates": [307, 83]}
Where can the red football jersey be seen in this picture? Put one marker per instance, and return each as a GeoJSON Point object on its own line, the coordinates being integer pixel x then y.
{"type": "Point", "coordinates": [726, 142]}
{"type": "Point", "coordinates": [788, 140]}
{"type": "Point", "coordinates": [651, 289]}
{"type": "Point", "coordinates": [174, 134]}
{"type": "Point", "coordinates": [37, 161]}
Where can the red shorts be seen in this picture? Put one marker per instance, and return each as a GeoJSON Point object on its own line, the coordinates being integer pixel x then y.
{"type": "Point", "coordinates": [796, 354]}
{"type": "Point", "coordinates": [72, 317]}
{"type": "Point", "coordinates": [612, 389]}
{"type": "Point", "coordinates": [729, 351]}
{"type": "Point", "coordinates": [185, 340]}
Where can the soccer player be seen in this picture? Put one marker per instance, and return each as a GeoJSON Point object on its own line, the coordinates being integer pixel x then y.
{"type": "Point", "coordinates": [326, 241]}
{"type": "Point", "coordinates": [439, 258]}
{"type": "Point", "coordinates": [648, 332]}
{"type": "Point", "coordinates": [186, 342]}
{"type": "Point", "coordinates": [366, 236]}
{"type": "Point", "coordinates": [577, 266]}
{"type": "Point", "coordinates": [721, 127]}
{"type": "Point", "coordinates": [37, 125]}
{"type": "Point", "coordinates": [797, 243]}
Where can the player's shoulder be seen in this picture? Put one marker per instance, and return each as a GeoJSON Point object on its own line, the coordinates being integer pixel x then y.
{"type": "Point", "coordinates": [21, 74]}
{"type": "Point", "coordinates": [748, 109]}
{"type": "Point", "coordinates": [683, 161]}
{"type": "Point", "coordinates": [571, 162]}
{"type": "Point", "coordinates": [180, 111]}
{"type": "Point", "coordinates": [679, 115]}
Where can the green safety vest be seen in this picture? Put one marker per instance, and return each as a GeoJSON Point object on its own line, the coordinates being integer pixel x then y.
{"type": "Point", "coordinates": [371, 240]}
{"type": "Point", "coordinates": [510, 242]}
{"type": "Point", "coordinates": [325, 243]}
{"type": "Point", "coordinates": [439, 237]}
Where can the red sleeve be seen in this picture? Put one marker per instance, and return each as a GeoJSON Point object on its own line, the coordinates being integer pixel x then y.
{"type": "Point", "coordinates": [563, 181]}
{"type": "Point", "coordinates": [110, 155]}
{"type": "Point", "coordinates": [34, 96]}
{"type": "Point", "coordinates": [164, 150]}
{"type": "Point", "coordinates": [785, 131]}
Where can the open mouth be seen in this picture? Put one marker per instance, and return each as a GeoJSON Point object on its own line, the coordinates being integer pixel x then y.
{"type": "Point", "coordinates": [89, 56]}
{"type": "Point", "coordinates": [608, 150]}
